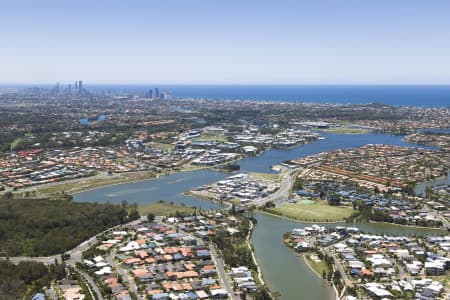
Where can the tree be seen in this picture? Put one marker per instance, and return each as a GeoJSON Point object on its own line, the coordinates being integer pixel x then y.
{"type": "Point", "coordinates": [11, 289]}
{"type": "Point", "coordinates": [298, 184]}
{"type": "Point", "coordinates": [429, 192]}
{"type": "Point", "coordinates": [134, 215]}
{"type": "Point", "coordinates": [124, 203]}
{"type": "Point", "coordinates": [68, 197]}
{"type": "Point", "coordinates": [151, 217]}
{"type": "Point", "coordinates": [330, 274]}
{"type": "Point", "coordinates": [55, 226]}
{"type": "Point", "coordinates": [334, 199]}
{"type": "Point", "coordinates": [322, 194]}
{"type": "Point", "coordinates": [8, 195]}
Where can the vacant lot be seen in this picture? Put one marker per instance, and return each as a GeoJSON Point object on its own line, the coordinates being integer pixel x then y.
{"type": "Point", "coordinates": [318, 211]}
{"type": "Point", "coordinates": [163, 209]}
{"type": "Point", "coordinates": [161, 146]}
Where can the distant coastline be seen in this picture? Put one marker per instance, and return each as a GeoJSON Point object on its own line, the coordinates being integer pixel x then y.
{"type": "Point", "coordinates": [394, 95]}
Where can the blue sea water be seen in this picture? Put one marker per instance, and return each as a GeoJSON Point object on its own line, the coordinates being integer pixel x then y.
{"type": "Point", "coordinates": [413, 95]}
{"type": "Point", "coordinates": [395, 95]}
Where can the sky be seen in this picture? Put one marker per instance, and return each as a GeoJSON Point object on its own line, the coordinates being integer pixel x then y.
{"type": "Point", "coordinates": [225, 42]}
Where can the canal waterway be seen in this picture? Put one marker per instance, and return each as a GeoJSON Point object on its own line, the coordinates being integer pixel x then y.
{"type": "Point", "coordinates": [283, 271]}
{"type": "Point", "coordinates": [288, 274]}
{"type": "Point", "coordinates": [263, 162]}
{"type": "Point", "coordinates": [421, 187]}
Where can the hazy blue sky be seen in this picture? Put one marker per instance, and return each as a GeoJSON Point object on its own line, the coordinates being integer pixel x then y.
{"type": "Point", "coordinates": [229, 41]}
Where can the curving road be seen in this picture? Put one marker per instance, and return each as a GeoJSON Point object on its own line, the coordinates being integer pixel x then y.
{"type": "Point", "coordinates": [282, 192]}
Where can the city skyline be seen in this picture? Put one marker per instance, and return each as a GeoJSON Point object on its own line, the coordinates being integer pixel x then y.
{"type": "Point", "coordinates": [198, 42]}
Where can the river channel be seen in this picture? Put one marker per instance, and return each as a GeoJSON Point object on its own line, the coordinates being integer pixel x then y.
{"type": "Point", "coordinates": [284, 272]}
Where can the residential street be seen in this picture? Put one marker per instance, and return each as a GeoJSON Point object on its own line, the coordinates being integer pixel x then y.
{"type": "Point", "coordinates": [91, 284]}
{"type": "Point", "coordinates": [127, 278]}
{"type": "Point", "coordinates": [339, 267]}
{"type": "Point", "coordinates": [222, 274]}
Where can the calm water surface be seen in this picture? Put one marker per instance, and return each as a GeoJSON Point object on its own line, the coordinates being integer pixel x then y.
{"type": "Point", "coordinates": [421, 187]}
{"type": "Point", "coordinates": [417, 95]}
{"type": "Point", "coordinates": [288, 274]}
{"type": "Point", "coordinates": [263, 162]}
{"type": "Point", "coordinates": [168, 188]}
{"type": "Point", "coordinates": [284, 272]}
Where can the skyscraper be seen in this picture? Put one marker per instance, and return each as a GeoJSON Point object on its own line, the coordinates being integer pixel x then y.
{"type": "Point", "coordinates": [76, 86]}
{"type": "Point", "coordinates": [150, 93]}
{"type": "Point", "coordinates": [80, 86]}
{"type": "Point", "coordinates": [156, 93]}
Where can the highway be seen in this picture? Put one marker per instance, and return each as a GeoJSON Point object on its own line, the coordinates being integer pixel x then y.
{"type": "Point", "coordinates": [282, 192]}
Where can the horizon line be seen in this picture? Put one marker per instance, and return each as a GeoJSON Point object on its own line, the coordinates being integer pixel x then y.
{"type": "Point", "coordinates": [226, 84]}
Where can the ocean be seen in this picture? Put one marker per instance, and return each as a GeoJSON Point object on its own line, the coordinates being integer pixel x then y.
{"type": "Point", "coordinates": [396, 95]}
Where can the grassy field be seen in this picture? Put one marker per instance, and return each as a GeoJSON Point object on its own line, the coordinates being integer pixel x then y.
{"type": "Point", "coordinates": [266, 176]}
{"type": "Point", "coordinates": [161, 146]}
{"type": "Point", "coordinates": [209, 137]}
{"type": "Point", "coordinates": [319, 267]}
{"type": "Point", "coordinates": [346, 130]}
{"type": "Point", "coordinates": [318, 211]}
{"type": "Point", "coordinates": [163, 209]}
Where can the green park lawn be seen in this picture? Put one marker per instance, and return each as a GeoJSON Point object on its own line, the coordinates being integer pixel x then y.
{"type": "Point", "coordinates": [319, 266]}
{"type": "Point", "coordinates": [314, 211]}
{"type": "Point", "coordinates": [210, 137]}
